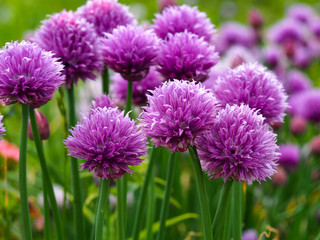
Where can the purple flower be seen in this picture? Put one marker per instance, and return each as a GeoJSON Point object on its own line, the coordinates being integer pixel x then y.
{"type": "Point", "coordinates": [306, 104]}
{"type": "Point", "coordinates": [297, 81]}
{"type": "Point", "coordinates": [238, 146]}
{"type": "Point", "coordinates": [28, 74]}
{"type": "Point", "coordinates": [178, 111]}
{"type": "Point", "coordinates": [301, 12]}
{"type": "Point", "coordinates": [185, 56]}
{"type": "Point", "coordinates": [2, 129]}
{"type": "Point", "coordinates": [250, 234]}
{"type": "Point", "coordinates": [74, 41]}
{"type": "Point", "coordinates": [253, 85]}
{"type": "Point", "coordinates": [139, 88]}
{"type": "Point", "coordinates": [289, 155]}
{"type": "Point", "coordinates": [101, 102]}
{"type": "Point", "coordinates": [108, 141]}
{"type": "Point", "coordinates": [233, 33]}
{"type": "Point", "coordinates": [130, 51]}
{"type": "Point", "coordinates": [177, 19]}
{"type": "Point", "coordinates": [106, 15]}
{"type": "Point", "coordinates": [275, 57]}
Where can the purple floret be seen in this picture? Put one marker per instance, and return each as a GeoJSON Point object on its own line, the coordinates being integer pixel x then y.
{"type": "Point", "coordinates": [106, 15]}
{"type": "Point", "coordinates": [28, 74]}
{"type": "Point", "coordinates": [130, 51]}
{"type": "Point", "coordinates": [253, 85]}
{"type": "Point", "coordinates": [297, 81]}
{"type": "Point", "coordinates": [290, 155]}
{"type": "Point", "coordinates": [108, 141]}
{"type": "Point", "coordinates": [185, 56]}
{"type": "Point", "coordinates": [101, 102]}
{"type": "Point", "coordinates": [178, 111]}
{"type": "Point", "coordinates": [175, 19]}
{"type": "Point", "coordinates": [75, 42]}
{"type": "Point", "coordinates": [238, 146]}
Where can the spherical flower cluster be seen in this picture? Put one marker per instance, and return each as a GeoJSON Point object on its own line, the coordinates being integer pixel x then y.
{"type": "Point", "coordinates": [28, 74]}
{"type": "Point", "coordinates": [75, 42]}
{"type": "Point", "coordinates": [177, 19]}
{"type": "Point", "coordinates": [238, 146]}
{"type": "Point", "coordinates": [253, 85]}
{"type": "Point", "coordinates": [101, 102]}
{"type": "Point", "coordinates": [130, 51]}
{"type": "Point", "coordinates": [233, 33]}
{"type": "Point", "coordinates": [108, 141]}
{"type": "Point", "coordinates": [139, 88]}
{"type": "Point", "coordinates": [250, 234]}
{"type": "Point", "coordinates": [185, 56]}
{"type": "Point", "coordinates": [297, 81]}
{"type": "Point", "coordinates": [178, 111]}
{"type": "Point", "coordinates": [106, 15]}
{"type": "Point", "coordinates": [289, 156]}
{"type": "Point", "coordinates": [2, 129]}
{"type": "Point", "coordinates": [301, 12]}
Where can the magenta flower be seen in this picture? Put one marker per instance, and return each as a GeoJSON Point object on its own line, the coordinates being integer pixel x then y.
{"type": "Point", "coordinates": [253, 85]}
{"type": "Point", "coordinates": [139, 88]}
{"type": "Point", "coordinates": [108, 141]}
{"type": "Point", "coordinates": [289, 156]}
{"type": "Point", "coordinates": [297, 81]}
{"type": "Point", "coordinates": [250, 234]}
{"type": "Point", "coordinates": [101, 102]}
{"type": "Point", "coordinates": [301, 12]}
{"type": "Point", "coordinates": [28, 74]}
{"type": "Point", "coordinates": [183, 18]}
{"type": "Point", "coordinates": [130, 51]}
{"type": "Point", "coordinates": [74, 41]}
{"type": "Point", "coordinates": [106, 15]}
{"type": "Point", "coordinates": [185, 56]}
{"type": "Point", "coordinates": [238, 146]}
{"type": "Point", "coordinates": [178, 111]}
{"type": "Point", "coordinates": [2, 129]}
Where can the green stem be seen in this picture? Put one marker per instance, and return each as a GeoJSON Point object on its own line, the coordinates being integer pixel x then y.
{"type": "Point", "coordinates": [120, 211]}
{"type": "Point", "coordinates": [46, 211]}
{"type": "Point", "coordinates": [151, 205]}
{"type": "Point", "coordinates": [226, 229]}
{"type": "Point", "coordinates": [103, 195]}
{"type": "Point", "coordinates": [23, 174]}
{"type": "Point", "coordinates": [165, 202]}
{"type": "Point", "coordinates": [129, 97]}
{"type": "Point", "coordinates": [202, 192]}
{"type": "Point", "coordinates": [217, 226]}
{"type": "Point", "coordinates": [45, 174]}
{"type": "Point", "coordinates": [75, 178]}
{"type": "Point", "coordinates": [237, 208]}
{"type": "Point", "coordinates": [142, 197]}
{"type": "Point", "coordinates": [105, 80]}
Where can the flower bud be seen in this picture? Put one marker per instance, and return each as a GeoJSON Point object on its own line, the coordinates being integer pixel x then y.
{"type": "Point", "coordinates": [298, 125]}
{"type": "Point", "coordinates": [256, 19]}
{"type": "Point", "coordinates": [43, 126]}
{"type": "Point", "coordinates": [280, 177]}
{"type": "Point", "coordinates": [166, 3]}
{"type": "Point", "coordinates": [315, 145]}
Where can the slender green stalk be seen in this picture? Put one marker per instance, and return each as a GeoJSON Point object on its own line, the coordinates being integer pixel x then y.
{"type": "Point", "coordinates": [46, 211]}
{"type": "Point", "coordinates": [142, 197]}
{"type": "Point", "coordinates": [107, 218]}
{"type": "Point", "coordinates": [23, 174]}
{"type": "Point", "coordinates": [165, 202]}
{"type": "Point", "coordinates": [226, 229]}
{"type": "Point", "coordinates": [120, 211]}
{"type": "Point", "coordinates": [105, 80]}
{"type": "Point", "coordinates": [202, 192]}
{"type": "Point", "coordinates": [217, 226]}
{"type": "Point", "coordinates": [75, 178]}
{"type": "Point", "coordinates": [151, 205]}
{"type": "Point", "coordinates": [45, 174]}
{"type": "Point", "coordinates": [129, 97]}
{"type": "Point", "coordinates": [237, 210]}
{"type": "Point", "coordinates": [103, 195]}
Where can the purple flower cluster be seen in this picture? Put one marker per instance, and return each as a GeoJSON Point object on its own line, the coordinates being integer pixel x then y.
{"type": "Point", "coordinates": [101, 102]}
{"type": "Point", "coordinates": [139, 88]}
{"type": "Point", "coordinates": [289, 156]}
{"type": "Point", "coordinates": [28, 74]}
{"type": "Point", "coordinates": [185, 56]}
{"type": "Point", "coordinates": [176, 19]}
{"type": "Point", "coordinates": [75, 42]}
{"type": "Point", "coordinates": [253, 85]}
{"type": "Point", "coordinates": [108, 141]}
{"type": "Point", "coordinates": [297, 81]}
{"type": "Point", "coordinates": [106, 15]}
{"type": "Point", "coordinates": [239, 146]}
{"type": "Point", "coordinates": [178, 111]}
{"type": "Point", "coordinates": [130, 51]}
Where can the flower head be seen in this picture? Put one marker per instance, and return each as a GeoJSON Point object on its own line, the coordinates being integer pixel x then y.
{"type": "Point", "coordinates": [130, 51]}
{"type": "Point", "coordinates": [108, 141]}
{"type": "Point", "coordinates": [177, 19]}
{"type": "Point", "coordinates": [106, 15]}
{"type": "Point", "coordinates": [2, 129]}
{"type": "Point", "coordinates": [178, 111]}
{"type": "Point", "coordinates": [253, 85]}
{"type": "Point", "coordinates": [74, 41]}
{"type": "Point", "coordinates": [139, 88]}
{"type": "Point", "coordinates": [301, 12]}
{"type": "Point", "coordinates": [28, 74]}
{"type": "Point", "coordinates": [289, 155]}
{"type": "Point", "coordinates": [185, 56]}
{"type": "Point", "coordinates": [101, 102]}
{"type": "Point", "coordinates": [297, 81]}
{"type": "Point", "coordinates": [238, 146]}
{"type": "Point", "coordinates": [250, 234]}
